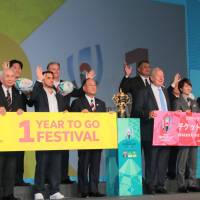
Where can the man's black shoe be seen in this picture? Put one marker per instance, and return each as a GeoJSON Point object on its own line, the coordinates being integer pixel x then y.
{"type": "Point", "coordinates": [10, 197]}
{"type": "Point", "coordinates": [193, 189]}
{"type": "Point", "coordinates": [149, 190]}
{"type": "Point", "coordinates": [84, 195]}
{"type": "Point", "coordinates": [161, 190]}
{"type": "Point", "coordinates": [22, 184]}
{"type": "Point", "coordinates": [97, 194]}
{"type": "Point", "coordinates": [183, 190]}
{"type": "Point", "coordinates": [67, 181]}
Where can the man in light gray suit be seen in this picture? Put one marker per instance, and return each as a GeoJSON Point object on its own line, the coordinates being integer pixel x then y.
{"type": "Point", "coordinates": [187, 155]}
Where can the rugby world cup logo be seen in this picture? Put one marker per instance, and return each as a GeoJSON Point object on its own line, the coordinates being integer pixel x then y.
{"type": "Point", "coordinates": [88, 58]}
{"type": "Point", "coordinates": [166, 123]}
{"type": "Point", "coordinates": [129, 133]}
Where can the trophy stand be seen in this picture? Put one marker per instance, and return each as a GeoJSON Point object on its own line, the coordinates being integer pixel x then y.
{"type": "Point", "coordinates": [123, 166]}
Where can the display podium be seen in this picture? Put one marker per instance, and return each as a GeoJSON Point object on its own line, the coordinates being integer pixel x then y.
{"type": "Point", "coordinates": [124, 165]}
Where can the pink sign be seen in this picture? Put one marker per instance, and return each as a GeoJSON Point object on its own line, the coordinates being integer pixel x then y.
{"type": "Point", "coordinates": [176, 129]}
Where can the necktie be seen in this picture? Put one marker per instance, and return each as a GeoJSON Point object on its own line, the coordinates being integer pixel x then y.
{"type": "Point", "coordinates": [8, 98]}
{"type": "Point", "coordinates": [146, 82]}
{"type": "Point", "coordinates": [92, 106]}
{"type": "Point", "coordinates": [162, 100]}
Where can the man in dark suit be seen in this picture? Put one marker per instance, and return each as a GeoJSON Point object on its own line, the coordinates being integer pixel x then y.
{"type": "Point", "coordinates": [134, 85]}
{"type": "Point", "coordinates": [10, 101]}
{"type": "Point", "coordinates": [17, 67]}
{"type": "Point", "coordinates": [55, 68]}
{"type": "Point", "coordinates": [89, 160]}
{"type": "Point", "coordinates": [46, 99]}
{"type": "Point", "coordinates": [147, 102]}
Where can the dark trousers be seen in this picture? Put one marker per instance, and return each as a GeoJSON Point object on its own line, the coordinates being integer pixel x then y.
{"type": "Point", "coordinates": [19, 167]}
{"type": "Point", "coordinates": [147, 148]}
{"type": "Point", "coordinates": [172, 162]}
{"type": "Point", "coordinates": [51, 161]}
{"type": "Point", "coordinates": [64, 165]}
{"type": "Point", "coordinates": [156, 160]}
{"type": "Point", "coordinates": [7, 173]}
{"type": "Point", "coordinates": [88, 162]}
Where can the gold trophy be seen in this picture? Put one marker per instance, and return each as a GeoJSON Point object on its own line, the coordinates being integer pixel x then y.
{"type": "Point", "coordinates": [121, 100]}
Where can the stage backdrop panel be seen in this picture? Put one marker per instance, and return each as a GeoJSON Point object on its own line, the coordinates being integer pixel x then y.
{"type": "Point", "coordinates": [97, 32]}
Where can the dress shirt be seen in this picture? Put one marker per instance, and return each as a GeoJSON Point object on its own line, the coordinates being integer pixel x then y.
{"type": "Point", "coordinates": [52, 100]}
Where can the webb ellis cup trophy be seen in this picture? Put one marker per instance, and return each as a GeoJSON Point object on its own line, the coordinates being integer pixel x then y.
{"type": "Point", "coordinates": [121, 100]}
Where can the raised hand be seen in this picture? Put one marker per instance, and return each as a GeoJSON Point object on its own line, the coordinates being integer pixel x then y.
{"type": "Point", "coordinates": [5, 65]}
{"type": "Point", "coordinates": [91, 74]}
{"type": "Point", "coordinates": [177, 78]}
{"type": "Point", "coordinates": [2, 111]}
{"type": "Point", "coordinates": [39, 74]}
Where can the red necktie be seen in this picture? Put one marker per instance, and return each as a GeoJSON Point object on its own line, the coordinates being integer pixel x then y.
{"type": "Point", "coordinates": [9, 101]}
{"type": "Point", "coordinates": [92, 106]}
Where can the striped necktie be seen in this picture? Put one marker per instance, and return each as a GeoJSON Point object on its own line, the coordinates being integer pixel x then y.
{"type": "Point", "coordinates": [92, 106]}
{"type": "Point", "coordinates": [9, 101]}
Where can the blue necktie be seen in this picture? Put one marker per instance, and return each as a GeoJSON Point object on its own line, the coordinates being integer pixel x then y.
{"type": "Point", "coordinates": [162, 100]}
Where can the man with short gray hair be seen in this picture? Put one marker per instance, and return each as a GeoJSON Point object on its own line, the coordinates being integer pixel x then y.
{"type": "Point", "coordinates": [148, 101]}
{"type": "Point", "coordinates": [10, 101]}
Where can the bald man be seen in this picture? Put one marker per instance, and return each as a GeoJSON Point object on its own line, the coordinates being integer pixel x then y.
{"type": "Point", "coordinates": [89, 160]}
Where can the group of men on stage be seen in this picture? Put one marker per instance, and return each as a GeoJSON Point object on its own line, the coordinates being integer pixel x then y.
{"type": "Point", "coordinates": [149, 95]}
{"type": "Point", "coordinates": [51, 166]}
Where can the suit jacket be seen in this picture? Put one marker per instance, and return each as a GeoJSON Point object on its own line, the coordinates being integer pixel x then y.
{"type": "Point", "coordinates": [40, 100]}
{"type": "Point", "coordinates": [82, 103]}
{"type": "Point", "coordinates": [132, 86]}
{"type": "Point", "coordinates": [16, 99]}
{"type": "Point", "coordinates": [146, 102]}
{"type": "Point", "coordinates": [182, 104]}
{"type": "Point", "coordinates": [25, 101]}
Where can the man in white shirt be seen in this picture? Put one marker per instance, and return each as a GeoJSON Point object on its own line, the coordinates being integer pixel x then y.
{"type": "Point", "coordinates": [77, 92]}
{"type": "Point", "coordinates": [150, 99]}
{"type": "Point", "coordinates": [46, 99]}
{"type": "Point", "coordinates": [10, 101]}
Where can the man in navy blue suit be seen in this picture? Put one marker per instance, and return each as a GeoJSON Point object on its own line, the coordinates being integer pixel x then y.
{"type": "Point", "coordinates": [89, 160]}
{"type": "Point", "coordinates": [137, 83]}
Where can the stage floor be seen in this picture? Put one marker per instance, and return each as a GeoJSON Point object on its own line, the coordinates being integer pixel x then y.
{"type": "Point", "coordinates": [26, 193]}
{"type": "Point", "coordinates": [172, 196]}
